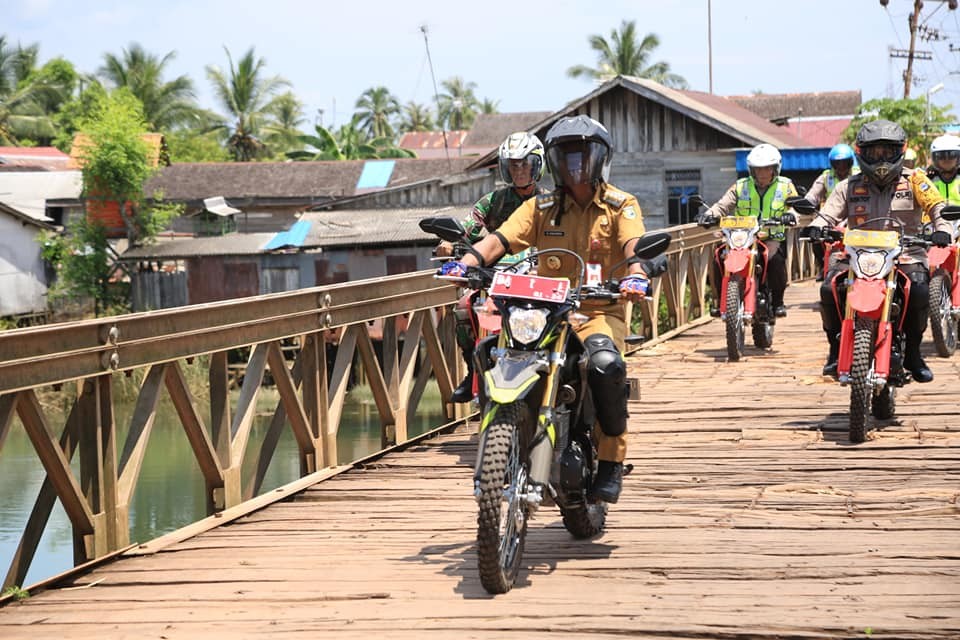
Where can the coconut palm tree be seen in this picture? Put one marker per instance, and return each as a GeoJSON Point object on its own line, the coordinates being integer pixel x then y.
{"type": "Point", "coordinates": [458, 106]}
{"type": "Point", "coordinates": [248, 97]}
{"type": "Point", "coordinates": [625, 55]}
{"type": "Point", "coordinates": [416, 117]}
{"type": "Point", "coordinates": [349, 143]}
{"type": "Point", "coordinates": [489, 106]}
{"type": "Point", "coordinates": [23, 96]}
{"type": "Point", "coordinates": [282, 133]}
{"type": "Point", "coordinates": [165, 104]}
{"type": "Point", "coordinates": [377, 106]}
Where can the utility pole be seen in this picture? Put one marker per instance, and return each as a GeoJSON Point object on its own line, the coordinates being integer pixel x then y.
{"type": "Point", "coordinates": [913, 20]}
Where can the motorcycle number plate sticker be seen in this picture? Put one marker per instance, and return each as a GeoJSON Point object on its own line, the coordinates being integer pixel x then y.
{"type": "Point", "coordinates": [870, 238]}
{"type": "Point", "coordinates": [594, 274]}
{"type": "Point", "coordinates": [529, 287]}
{"type": "Point", "coordinates": [738, 222]}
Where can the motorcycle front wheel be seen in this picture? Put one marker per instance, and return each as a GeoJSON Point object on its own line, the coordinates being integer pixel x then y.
{"type": "Point", "coordinates": [502, 510]}
{"type": "Point", "coordinates": [943, 327]}
{"type": "Point", "coordinates": [733, 319]}
{"type": "Point", "coordinates": [861, 378]}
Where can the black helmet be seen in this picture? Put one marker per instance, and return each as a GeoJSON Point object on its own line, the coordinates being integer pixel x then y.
{"type": "Point", "coordinates": [579, 150]}
{"type": "Point", "coordinates": [880, 150]}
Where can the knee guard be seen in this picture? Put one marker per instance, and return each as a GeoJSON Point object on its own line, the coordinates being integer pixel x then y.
{"type": "Point", "coordinates": [463, 314]}
{"type": "Point", "coordinates": [607, 375]}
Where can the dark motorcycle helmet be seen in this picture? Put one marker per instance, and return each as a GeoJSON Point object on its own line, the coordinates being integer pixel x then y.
{"type": "Point", "coordinates": [579, 150]}
{"type": "Point", "coordinates": [880, 146]}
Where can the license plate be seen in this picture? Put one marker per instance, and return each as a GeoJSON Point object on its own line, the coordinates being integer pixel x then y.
{"type": "Point", "coordinates": [738, 222]}
{"type": "Point", "coordinates": [869, 238]}
{"type": "Point", "coordinates": [529, 287]}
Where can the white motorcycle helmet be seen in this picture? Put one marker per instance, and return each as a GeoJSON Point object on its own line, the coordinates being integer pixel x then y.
{"type": "Point", "coordinates": [764, 155]}
{"type": "Point", "coordinates": [519, 146]}
{"type": "Point", "coordinates": [944, 148]}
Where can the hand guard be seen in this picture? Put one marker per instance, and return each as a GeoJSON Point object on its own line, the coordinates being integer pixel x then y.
{"type": "Point", "coordinates": [634, 284]}
{"type": "Point", "coordinates": [940, 238]}
{"type": "Point", "coordinates": [453, 268]}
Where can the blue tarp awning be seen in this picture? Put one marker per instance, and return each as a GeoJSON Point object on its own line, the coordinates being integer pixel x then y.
{"type": "Point", "coordinates": [293, 237]}
{"type": "Point", "coordinates": [809, 159]}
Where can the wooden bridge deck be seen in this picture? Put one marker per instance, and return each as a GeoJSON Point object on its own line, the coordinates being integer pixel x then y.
{"type": "Point", "coordinates": [748, 515]}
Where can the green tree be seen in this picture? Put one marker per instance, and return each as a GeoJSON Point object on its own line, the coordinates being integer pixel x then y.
{"type": "Point", "coordinates": [282, 133]}
{"type": "Point", "coordinates": [416, 117]}
{"type": "Point", "coordinates": [458, 106]}
{"type": "Point", "coordinates": [248, 97]}
{"type": "Point", "coordinates": [377, 108]}
{"type": "Point", "coordinates": [22, 99]}
{"type": "Point", "coordinates": [625, 54]}
{"type": "Point", "coordinates": [490, 106]}
{"type": "Point", "coordinates": [192, 145]}
{"type": "Point", "coordinates": [909, 113]}
{"type": "Point", "coordinates": [349, 143]}
{"type": "Point", "coordinates": [165, 104]}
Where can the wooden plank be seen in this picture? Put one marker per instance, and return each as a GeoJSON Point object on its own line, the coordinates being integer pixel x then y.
{"type": "Point", "coordinates": [203, 449]}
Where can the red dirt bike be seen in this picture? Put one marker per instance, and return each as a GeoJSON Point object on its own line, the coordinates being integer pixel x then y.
{"type": "Point", "coordinates": [745, 296]}
{"type": "Point", "coordinates": [872, 340]}
{"type": "Point", "coordinates": [944, 297]}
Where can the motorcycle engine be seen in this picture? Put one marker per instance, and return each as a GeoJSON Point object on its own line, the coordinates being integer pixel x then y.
{"type": "Point", "coordinates": [574, 472]}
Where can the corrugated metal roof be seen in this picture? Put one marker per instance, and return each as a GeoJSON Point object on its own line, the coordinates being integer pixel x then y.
{"type": "Point", "coordinates": [49, 158]}
{"type": "Point", "coordinates": [28, 191]}
{"type": "Point", "coordinates": [810, 159]}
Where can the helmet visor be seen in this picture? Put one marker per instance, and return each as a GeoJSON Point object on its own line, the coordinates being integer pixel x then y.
{"type": "Point", "coordinates": [881, 153]}
{"type": "Point", "coordinates": [520, 173]}
{"type": "Point", "coordinates": [945, 156]}
{"type": "Point", "coordinates": [577, 162]}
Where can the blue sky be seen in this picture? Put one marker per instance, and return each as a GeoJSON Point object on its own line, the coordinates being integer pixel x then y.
{"type": "Point", "coordinates": [515, 52]}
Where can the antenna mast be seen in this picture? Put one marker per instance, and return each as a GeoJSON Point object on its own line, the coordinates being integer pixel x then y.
{"type": "Point", "coordinates": [436, 93]}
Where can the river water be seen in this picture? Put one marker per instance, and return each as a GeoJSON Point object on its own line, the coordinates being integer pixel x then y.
{"type": "Point", "coordinates": [170, 491]}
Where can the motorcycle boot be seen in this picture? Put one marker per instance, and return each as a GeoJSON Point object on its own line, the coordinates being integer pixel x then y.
{"type": "Point", "coordinates": [609, 481]}
{"type": "Point", "coordinates": [464, 390]}
{"type": "Point", "coordinates": [913, 362]}
{"type": "Point", "coordinates": [830, 367]}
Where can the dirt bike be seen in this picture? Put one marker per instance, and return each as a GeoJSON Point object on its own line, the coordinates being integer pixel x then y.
{"type": "Point", "coordinates": [944, 297]}
{"type": "Point", "coordinates": [537, 416]}
{"type": "Point", "coordinates": [745, 296]}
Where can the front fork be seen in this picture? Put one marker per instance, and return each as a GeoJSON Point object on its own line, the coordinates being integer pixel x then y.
{"type": "Point", "coordinates": [548, 433]}
{"type": "Point", "coordinates": [883, 342]}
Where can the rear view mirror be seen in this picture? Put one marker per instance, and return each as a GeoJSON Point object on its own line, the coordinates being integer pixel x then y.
{"type": "Point", "coordinates": [445, 228]}
{"type": "Point", "coordinates": [950, 212]}
{"type": "Point", "coordinates": [650, 245]}
{"type": "Point", "coordinates": [801, 205]}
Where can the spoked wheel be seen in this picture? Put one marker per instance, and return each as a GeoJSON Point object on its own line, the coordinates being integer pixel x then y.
{"type": "Point", "coordinates": [884, 404]}
{"type": "Point", "coordinates": [861, 378]}
{"type": "Point", "coordinates": [584, 519]}
{"type": "Point", "coordinates": [943, 326]}
{"type": "Point", "coordinates": [502, 513]}
{"type": "Point", "coordinates": [733, 319]}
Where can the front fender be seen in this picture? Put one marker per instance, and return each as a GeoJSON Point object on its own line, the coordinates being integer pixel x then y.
{"type": "Point", "coordinates": [512, 377]}
{"type": "Point", "coordinates": [936, 256]}
{"type": "Point", "coordinates": [867, 295]}
{"type": "Point", "coordinates": [736, 260]}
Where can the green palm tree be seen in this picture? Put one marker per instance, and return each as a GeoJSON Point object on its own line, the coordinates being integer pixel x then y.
{"type": "Point", "coordinates": [349, 143]}
{"type": "Point", "coordinates": [416, 117]}
{"type": "Point", "coordinates": [625, 55]}
{"type": "Point", "coordinates": [377, 107]}
{"type": "Point", "coordinates": [458, 106]}
{"type": "Point", "coordinates": [282, 133]}
{"type": "Point", "coordinates": [165, 104]}
{"type": "Point", "coordinates": [490, 106]}
{"type": "Point", "coordinates": [23, 96]}
{"type": "Point", "coordinates": [248, 97]}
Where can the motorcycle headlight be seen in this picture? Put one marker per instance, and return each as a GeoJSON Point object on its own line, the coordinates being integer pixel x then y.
{"type": "Point", "coordinates": [739, 238]}
{"type": "Point", "coordinates": [871, 263]}
{"type": "Point", "coordinates": [526, 325]}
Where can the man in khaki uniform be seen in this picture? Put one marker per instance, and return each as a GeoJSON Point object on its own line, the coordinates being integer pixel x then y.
{"type": "Point", "coordinates": [601, 224]}
{"type": "Point", "coordinates": [884, 188]}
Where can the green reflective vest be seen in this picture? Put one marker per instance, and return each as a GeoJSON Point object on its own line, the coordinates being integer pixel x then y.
{"type": "Point", "coordinates": [772, 205]}
{"type": "Point", "coordinates": [830, 179]}
{"type": "Point", "coordinates": [949, 190]}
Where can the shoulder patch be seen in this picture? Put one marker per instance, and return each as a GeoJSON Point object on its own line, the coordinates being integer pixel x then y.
{"type": "Point", "coordinates": [545, 201]}
{"type": "Point", "coordinates": [629, 212]}
{"type": "Point", "coordinates": [614, 197]}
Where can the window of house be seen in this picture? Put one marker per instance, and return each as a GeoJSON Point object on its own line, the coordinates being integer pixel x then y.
{"type": "Point", "coordinates": [680, 186]}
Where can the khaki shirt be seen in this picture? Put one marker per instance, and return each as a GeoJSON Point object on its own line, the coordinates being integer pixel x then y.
{"type": "Point", "coordinates": [597, 233]}
{"type": "Point", "coordinates": [858, 200]}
